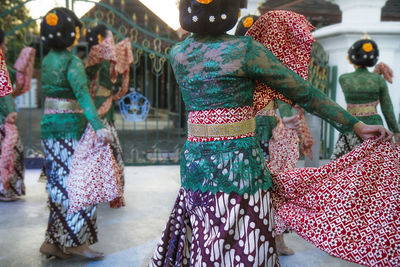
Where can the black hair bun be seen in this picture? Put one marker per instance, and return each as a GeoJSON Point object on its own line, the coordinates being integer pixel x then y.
{"type": "Point", "coordinates": [58, 28]}
{"type": "Point", "coordinates": [364, 53]}
{"type": "Point", "coordinates": [209, 16]}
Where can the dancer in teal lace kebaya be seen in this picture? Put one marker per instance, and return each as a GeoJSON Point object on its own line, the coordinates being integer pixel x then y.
{"type": "Point", "coordinates": [363, 91]}
{"type": "Point", "coordinates": [223, 213]}
{"type": "Point", "coordinates": [67, 109]}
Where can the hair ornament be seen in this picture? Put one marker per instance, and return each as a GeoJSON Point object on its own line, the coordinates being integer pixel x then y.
{"type": "Point", "coordinates": [211, 18]}
{"type": "Point", "coordinates": [205, 2]}
{"type": "Point", "coordinates": [223, 16]}
{"type": "Point", "coordinates": [69, 19]}
{"type": "Point", "coordinates": [248, 22]}
{"type": "Point", "coordinates": [51, 36]}
{"type": "Point", "coordinates": [367, 47]}
{"type": "Point", "coordinates": [189, 10]}
{"type": "Point", "coordinates": [84, 32]}
{"type": "Point", "coordinates": [195, 18]}
{"type": "Point", "coordinates": [58, 33]}
{"type": "Point", "coordinates": [52, 19]}
{"type": "Point", "coordinates": [99, 39]}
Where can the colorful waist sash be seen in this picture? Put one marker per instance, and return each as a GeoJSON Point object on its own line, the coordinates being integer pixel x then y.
{"type": "Point", "coordinates": [221, 124]}
{"type": "Point", "coordinates": [360, 110]}
{"type": "Point", "coordinates": [61, 105]}
{"type": "Point", "coordinates": [268, 110]}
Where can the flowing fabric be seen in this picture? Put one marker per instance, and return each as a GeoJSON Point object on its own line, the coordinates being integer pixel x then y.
{"type": "Point", "coordinates": [5, 82]}
{"type": "Point", "coordinates": [24, 66]}
{"type": "Point", "coordinates": [120, 56]}
{"type": "Point", "coordinates": [384, 70]}
{"type": "Point", "coordinates": [95, 176]}
{"type": "Point", "coordinates": [350, 207]}
{"type": "Point", "coordinates": [15, 183]}
{"type": "Point", "coordinates": [7, 154]}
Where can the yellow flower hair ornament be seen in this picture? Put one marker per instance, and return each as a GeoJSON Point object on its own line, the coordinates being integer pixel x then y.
{"type": "Point", "coordinates": [367, 47]}
{"type": "Point", "coordinates": [52, 19]}
{"type": "Point", "coordinates": [248, 22]}
{"type": "Point", "coordinates": [77, 35]}
{"type": "Point", "coordinates": [99, 39]}
{"type": "Point", "coordinates": [84, 32]}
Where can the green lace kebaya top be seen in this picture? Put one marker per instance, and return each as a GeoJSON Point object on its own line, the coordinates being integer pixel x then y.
{"type": "Point", "coordinates": [103, 70]}
{"type": "Point", "coordinates": [220, 72]}
{"type": "Point", "coordinates": [266, 124]}
{"type": "Point", "coordinates": [64, 76]}
{"type": "Point", "coordinates": [362, 86]}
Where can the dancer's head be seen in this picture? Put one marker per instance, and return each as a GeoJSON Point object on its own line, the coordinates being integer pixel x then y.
{"type": "Point", "coordinates": [244, 24]}
{"type": "Point", "coordinates": [96, 34]}
{"type": "Point", "coordinates": [60, 28]}
{"type": "Point", "coordinates": [210, 17]}
{"type": "Point", "coordinates": [364, 53]}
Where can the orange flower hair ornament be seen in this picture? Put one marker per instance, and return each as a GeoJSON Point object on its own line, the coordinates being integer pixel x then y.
{"type": "Point", "coordinates": [205, 2]}
{"type": "Point", "coordinates": [52, 19]}
{"type": "Point", "coordinates": [367, 47]}
{"type": "Point", "coordinates": [77, 35]}
{"type": "Point", "coordinates": [99, 39]}
{"type": "Point", "coordinates": [248, 22]}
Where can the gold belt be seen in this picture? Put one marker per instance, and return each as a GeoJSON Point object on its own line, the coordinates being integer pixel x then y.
{"type": "Point", "coordinates": [222, 130]}
{"type": "Point", "coordinates": [103, 91]}
{"type": "Point", "coordinates": [268, 110]}
{"type": "Point", "coordinates": [59, 105]}
{"type": "Point", "coordinates": [367, 109]}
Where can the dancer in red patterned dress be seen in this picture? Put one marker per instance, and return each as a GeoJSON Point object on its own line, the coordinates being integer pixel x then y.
{"type": "Point", "coordinates": [223, 213]}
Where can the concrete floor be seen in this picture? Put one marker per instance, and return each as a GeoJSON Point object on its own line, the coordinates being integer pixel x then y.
{"type": "Point", "coordinates": [129, 235]}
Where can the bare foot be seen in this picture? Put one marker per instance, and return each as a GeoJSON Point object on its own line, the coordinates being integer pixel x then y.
{"type": "Point", "coordinates": [85, 251]}
{"type": "Point", "coordinates": [281, 247]}
{"type": "Point", "coordinates": [51, 250]}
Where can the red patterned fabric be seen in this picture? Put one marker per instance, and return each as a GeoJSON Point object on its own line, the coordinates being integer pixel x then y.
{"type": "Point", "coordinates": [94, 175]}
{"type": "Point", "coordinates": [384, 70]}
{"type": "Point", "coordinates": [349, 208]}
{"type": "Point", "coordinates": [120, 57]}
{"type": "Point", "coordinates": [220, 116]}
{"type": "Point", "coordinates": [24, 67]}
{"type": "Point", "coordinates": [288, 36]}
{"type": "Point", "coordinates": [5, 82]}
{"type": "Point", "coordinates": [306, 139]}
{"type": "Point", "coordinates": [7, 154]}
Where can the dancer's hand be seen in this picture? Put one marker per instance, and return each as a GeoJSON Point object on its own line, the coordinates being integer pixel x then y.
{"type": "Point", "coordinates": [292, 122]}
{"type": "Point", "coordinates": [104, 135]}
{"type": "Point", "coordinates": [397, 138]}
{"type": "Point", "coordinates": [11, 118]}
{"type": "Point", "coordinates": [366, 131]}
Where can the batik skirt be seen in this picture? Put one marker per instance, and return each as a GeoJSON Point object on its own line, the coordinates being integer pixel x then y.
{"type": "Point", "coordinates": [206, 229]}
{"type": "Point", "coordinates": [350, 208]}
{"type": "Point", "coordinates": [17, 185]}
{"type": "Point", "coordinates": [346, 143]}
{"type": "Point", "coordinates": [65, 230]}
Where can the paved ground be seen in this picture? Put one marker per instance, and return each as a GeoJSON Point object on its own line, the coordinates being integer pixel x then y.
{"type": "Point", "coordinates": [129, 235]}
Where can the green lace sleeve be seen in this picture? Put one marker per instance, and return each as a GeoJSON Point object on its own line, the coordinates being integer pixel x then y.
{"type": "Point", "coordinates": [387, 107]}
{"type": "Point", "coordinates": [285, 110]}
{"type": "Point", "coordinates": [262, 65]}
{"type": "Point", "coordinates": [6, 105]}
{"type": "Point", "coordinates": [77, 79]}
